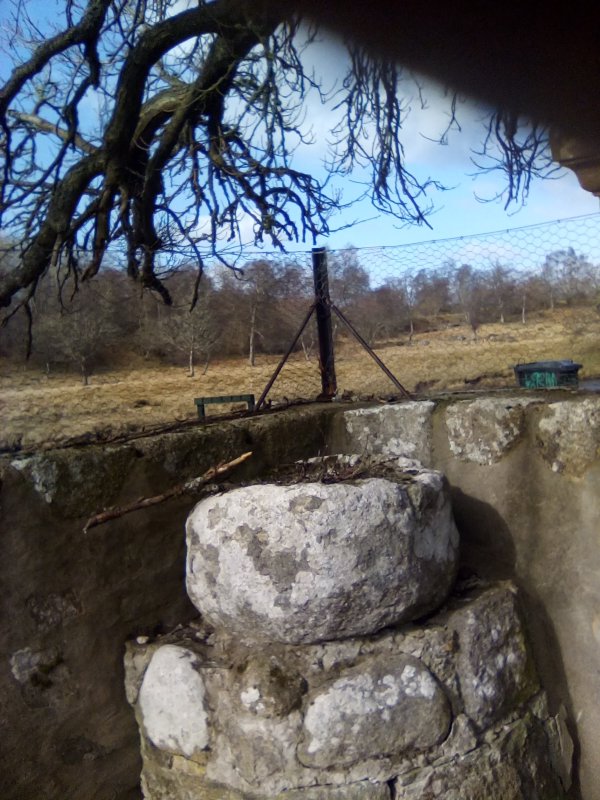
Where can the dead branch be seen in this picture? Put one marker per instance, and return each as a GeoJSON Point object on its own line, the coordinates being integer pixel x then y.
{"type": "Point", "coordinates": [189, 487]}
{"type": "Point", "coordinates": [40, 124]}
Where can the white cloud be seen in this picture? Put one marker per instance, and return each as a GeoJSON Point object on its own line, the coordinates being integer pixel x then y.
{"type": "Point", "coordinates": [246, 230]}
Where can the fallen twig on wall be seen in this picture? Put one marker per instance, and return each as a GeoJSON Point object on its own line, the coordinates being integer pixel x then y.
{"type": "Point", "coordinates": [189, 487]}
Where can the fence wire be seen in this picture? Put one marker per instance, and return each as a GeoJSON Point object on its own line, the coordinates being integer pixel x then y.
{"type": "Point", "coordinates": [440, 314]}
{"type": "Point", "coordinates": [450, 313]}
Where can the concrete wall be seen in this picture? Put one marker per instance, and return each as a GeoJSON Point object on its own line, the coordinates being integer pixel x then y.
{"type": "Point", "coordinates": [525, 478]}
{"type": "Point", "coordinates": [70, 601]}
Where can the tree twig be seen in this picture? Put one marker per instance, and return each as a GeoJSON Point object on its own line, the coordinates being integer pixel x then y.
{"type": "Point", "coordinates": [189, 487]}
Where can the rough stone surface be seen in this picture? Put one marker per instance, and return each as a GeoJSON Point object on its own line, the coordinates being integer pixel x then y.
{"type": "Point", "coordinates": [361, 713]}
{"type": "Point", "coordinates": [484, 430]}
{"type": "Point", "coordinates": [394, 430]}
{"type": "Point", "coordinates": [494, 662]}
{"type": "Point", "coordinates": [171, 702]}
{"type": "Point", "coordinates": [66, 730]}
{"type": "Point", "coordinates": [462, 738]}
{"type": "Point", "coordinates": [513, 765]}
{"type": "Point", "coordinates": [361, 790]}
{"type": "Point", "coordinates": [563, 748]}
{"type": "Point", "coordinates": [281, 563]}
{"type": "Point", "coordinates": [569, 435]}
{"type": "Point", "coordinates": [254, 754]}
{"type": "Point", "coordinates": [380, 708]}
{"type": "Point", "coordinates": [77, 485]}
{"type": "Point", "coordinates": [268, 687]}
{"type": "Point", "coordinates": [27, 664]}
{"type": "Point", "coordinates": [176, 778]}
{"type": "Point", "coordinates": [53, 610]}
{"type": "Point", "coordinates": [70, 601]}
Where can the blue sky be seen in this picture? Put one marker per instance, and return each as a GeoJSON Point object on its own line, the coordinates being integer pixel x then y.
{"type": "Point", "coordinates": [458, 212]}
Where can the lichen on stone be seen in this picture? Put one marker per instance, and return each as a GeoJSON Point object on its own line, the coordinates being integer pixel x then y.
{"type": "Point", "coordinates": [485, 429]}
{"type": "Point", "coordinates": [314, 561]}
{"type": "Point", "coordinates": [403, 429]}
{"type": "Point", "coordinates": [568, 435]}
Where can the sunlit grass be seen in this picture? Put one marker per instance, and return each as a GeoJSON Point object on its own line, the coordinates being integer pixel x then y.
{"type": "Point", "coordinates": [37, 409]}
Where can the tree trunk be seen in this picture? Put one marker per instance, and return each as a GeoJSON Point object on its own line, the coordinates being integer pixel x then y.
{"type": "Point", "coordinates": [251, 356]}
{"type": "Point", "coordinates": [191, 370]}
{"type": "Point", "coordinates": [523, 315]}
{"type": "Point", "coordinates": [84, 371]}
{"type": "Point", "coordinates": [306, 348]}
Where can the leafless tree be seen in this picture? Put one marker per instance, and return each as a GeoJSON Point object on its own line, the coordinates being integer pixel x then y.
{"type": "Point", "coordinates": [198, 113]}
{"type": "Point", "coordinates": [349, 281]}
{"type": "Point", "coordinates": [80, 334]}
{"type": "Point", "coordinates": [260, 281]}
{"type": "Point", "coordinates": [147, 133]}
{"type": "Point", "coordinates": [501, 285]}
{"type": "Point", "coordinates": [432, 290]}
{"type": "Point", "coordinates": [467, 290]}
{"type": "Point", "coordinates": [571, 274]}
{"type": "Point", "coordinates": [390, 309]}
{"type": "Point", "coordinates": [190, 332]}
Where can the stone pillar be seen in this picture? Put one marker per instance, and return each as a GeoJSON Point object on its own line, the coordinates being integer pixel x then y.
{"type": "Point", "coordinates": [330, 662]}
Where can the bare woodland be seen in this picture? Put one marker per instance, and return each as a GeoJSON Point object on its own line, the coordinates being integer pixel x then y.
{"type": "Point", "coordinates": [258, 310]}
{"type": "Point", "coordinates": [135, 137]}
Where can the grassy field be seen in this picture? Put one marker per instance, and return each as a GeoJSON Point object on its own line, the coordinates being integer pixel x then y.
{"type": "Point", "coordinates": [37, 409]}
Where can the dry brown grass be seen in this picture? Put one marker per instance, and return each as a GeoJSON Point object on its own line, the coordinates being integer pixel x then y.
{"type": "Point", "coordinates": [36, 409]}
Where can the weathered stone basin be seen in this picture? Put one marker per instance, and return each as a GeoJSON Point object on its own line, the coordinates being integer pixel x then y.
{"type": "Point", "coordinates": [316, 561]}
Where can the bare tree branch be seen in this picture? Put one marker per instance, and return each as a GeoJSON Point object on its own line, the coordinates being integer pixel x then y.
{"type": "Point", "coordinates": [155, 137]}
{"type": "Point", "coordinates": [189, 487]}
{"type": "Point", "coordinates": [520, 151]}
{"type": "Point", "coordinates": [85, 33]}
{"type": "Point", "coordinates": [47, 127]}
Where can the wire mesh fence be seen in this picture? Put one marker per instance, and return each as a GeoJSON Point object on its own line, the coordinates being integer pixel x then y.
{"type": "Point", "coordinates": [446, 313]}
{"type": "Point", "coordinates": [443, 314]}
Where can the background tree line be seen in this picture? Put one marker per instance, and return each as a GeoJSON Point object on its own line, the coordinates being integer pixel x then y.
{"type": "Point", "coordinates": [154, 131]}
{"type": "Point", "coordinates": [257, 310]}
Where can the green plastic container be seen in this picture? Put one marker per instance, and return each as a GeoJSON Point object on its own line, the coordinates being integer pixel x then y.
{"type": "Point", "coordinates": [547, 374]}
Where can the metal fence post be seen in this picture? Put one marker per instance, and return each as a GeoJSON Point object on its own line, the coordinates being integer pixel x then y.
{"type": "Point", "coordinates": [323, 311]}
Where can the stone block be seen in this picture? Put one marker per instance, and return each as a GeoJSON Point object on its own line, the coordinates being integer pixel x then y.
{"type": "Point", "coordinates": [77, 482]}
{"type": "Point", "coordinates": [493, 661]}
{"type": "Point", "coordinates": [442, 708]}
{"type": "Point", "coordinates": [392, 430]}
{"type": "Point", "coordinates": [485, 429]}
{"type": "Point", "coordinates": [383, 707]}
{"type": "Point", "coordinates": [269, 687]}
{"type": "Point", "coordinates": [255, 754]}
{"type": "Point", "coordinates": [171, 702]}
{"type": "Point", "coordinates": [513, 765]}
{"type": "Point", "coordinates": [568, 435]}
{"type": "Point", "coordinates": [318, 561]}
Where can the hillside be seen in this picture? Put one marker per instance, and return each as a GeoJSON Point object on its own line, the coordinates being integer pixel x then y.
{"type": "Point", "coordinates": [40, 409]}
